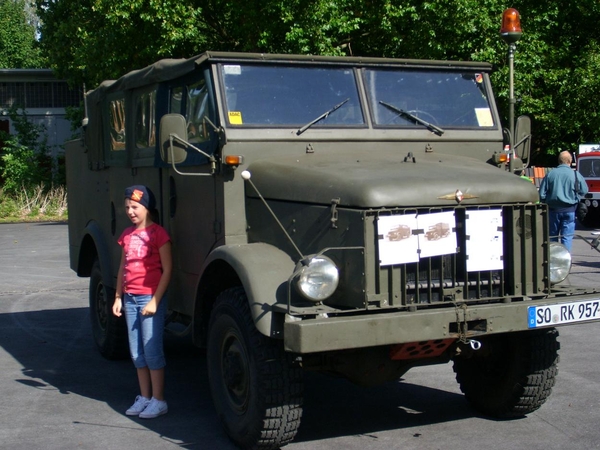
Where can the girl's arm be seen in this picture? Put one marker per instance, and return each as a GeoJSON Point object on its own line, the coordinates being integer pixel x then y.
{"type": "Point", "coordinates": [167, 267]}
{"type": "Point", "coordinates": [118, 304]}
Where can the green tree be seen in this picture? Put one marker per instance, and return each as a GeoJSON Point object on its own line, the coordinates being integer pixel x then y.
{"type": "Point", "coordinates": [25, 162]}
{"type": "Point", "coordinates": [558, 66]}
{"type": "Point", "coordinates": [557, 60]}
{"type": "Point", "coordinates": [18, 45]}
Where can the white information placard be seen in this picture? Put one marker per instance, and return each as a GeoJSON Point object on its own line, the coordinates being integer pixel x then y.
{"type": "Point", "coordinates": [484, 240]}
{"type": "Point", "coordinates": [438, 234]}
{"type": "Point", "coordinates": [397, 244]}
{"type": "Point", "coordinates": [406, 238]}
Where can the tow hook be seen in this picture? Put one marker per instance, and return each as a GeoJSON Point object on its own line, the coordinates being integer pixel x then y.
{"type": "Point", "coordinates": [475, 345]}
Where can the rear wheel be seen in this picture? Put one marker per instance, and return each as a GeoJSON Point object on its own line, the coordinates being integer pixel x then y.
{"type": "Point", "coordinates": [109, 331]}
{"type": "Point", "coordinates": [256, 387]}
{"type": "Point", "coordinates": [512, 375]}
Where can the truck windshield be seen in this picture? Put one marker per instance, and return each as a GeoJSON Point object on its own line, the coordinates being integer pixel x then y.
{"type": "Point", "coordinates": [442, 99]}
{"type": "Point", "coordinates": [291, 96]}
{"type": "Point", "coordinates": [589, 167]}
{"type": "Point", "coordinates": [303, 97]}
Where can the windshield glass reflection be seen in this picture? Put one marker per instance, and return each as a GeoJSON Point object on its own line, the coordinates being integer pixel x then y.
{"type": "Point", "coordinates": [291, 96]}
{"type": "Point", "coordinates": [443, 99]}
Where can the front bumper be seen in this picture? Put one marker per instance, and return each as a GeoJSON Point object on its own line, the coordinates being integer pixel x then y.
{"type": "Point", "coordinates": [371, 330]}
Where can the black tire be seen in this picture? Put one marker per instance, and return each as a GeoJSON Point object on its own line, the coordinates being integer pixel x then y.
{"type": "Point", "coordinates": [512, 375]}
{"type": "Point", "coordinates": [591, 219]}
{"type": "Point", "coordinates": [256, 387]}
{"type": "Point", "coordinates": [109, 331]}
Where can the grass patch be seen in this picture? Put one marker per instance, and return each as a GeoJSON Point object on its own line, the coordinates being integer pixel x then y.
{"type": "Point", "coordinates": [35, 205]}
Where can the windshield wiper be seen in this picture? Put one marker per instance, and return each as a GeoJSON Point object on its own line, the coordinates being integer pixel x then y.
{"type": "Point", "coordinates": [431, 127]}
{"type": "Point", "coordinates": [321, 117]}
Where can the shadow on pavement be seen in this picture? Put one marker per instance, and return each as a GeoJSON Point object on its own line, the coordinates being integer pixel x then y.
{"type": "Point", "coordinates": [336, 407]}
{"type": "Point", "coordinates": [56, 351]}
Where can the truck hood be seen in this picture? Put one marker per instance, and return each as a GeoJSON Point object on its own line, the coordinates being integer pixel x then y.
{"type": "Point", "coordinates": [432, 180]}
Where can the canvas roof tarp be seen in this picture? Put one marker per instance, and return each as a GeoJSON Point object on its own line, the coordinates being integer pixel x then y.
{"type": "Point", "coordinates": [163, 70]}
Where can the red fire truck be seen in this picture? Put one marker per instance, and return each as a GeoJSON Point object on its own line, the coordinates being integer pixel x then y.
{"type": "Point", "coordinates": [588, 165]}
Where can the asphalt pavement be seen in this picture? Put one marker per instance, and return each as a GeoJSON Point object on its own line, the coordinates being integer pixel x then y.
{"type": "Point", "coordinates": [57, 392]}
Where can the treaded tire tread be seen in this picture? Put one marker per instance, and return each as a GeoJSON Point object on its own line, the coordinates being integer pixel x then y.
{"type": "Point", "coordinates": [273, 417]}
{"type": "Point", "coordinates": [517, 380]}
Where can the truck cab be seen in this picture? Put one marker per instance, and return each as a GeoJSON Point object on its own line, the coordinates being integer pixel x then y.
{"type": "Point", "coordinates": [339, 214]}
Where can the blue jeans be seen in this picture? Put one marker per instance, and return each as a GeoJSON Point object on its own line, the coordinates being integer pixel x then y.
{"type": "Point", "coordinates": [562, 224]}
{"type": "Point", "coordinates": [145, 332]}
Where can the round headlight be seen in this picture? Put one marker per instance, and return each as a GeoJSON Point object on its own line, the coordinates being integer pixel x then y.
{"type": "Point", "coordinates": [319, 279]}
{"type": "Point", "coordinates": [587, 202]}
{"type": "Point", "coordinates": [560, 262]}
{"type": "Point", "coordinates": [595, 203]}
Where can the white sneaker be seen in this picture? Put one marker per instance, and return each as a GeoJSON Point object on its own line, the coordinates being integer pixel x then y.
{"type": "Point", "coordinates": [139, 405]}
{"type": "Point", "coordinates": [154, 409]}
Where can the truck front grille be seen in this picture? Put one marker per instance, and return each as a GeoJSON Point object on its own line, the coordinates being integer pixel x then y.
{"type": "Point", "coordinates": [442, 279]}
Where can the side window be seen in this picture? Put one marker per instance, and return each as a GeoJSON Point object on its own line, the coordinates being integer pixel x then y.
{"type": "Point", "coordinates": [197, 111]}
{"type": "Point", "coordinates": [116, 116]}
{"type": "Point", "coordinates": [176, 100]}
{"type": "Point", "coordinates": [191, 97]}
{"type": "Point", "coordinates": [145, 130]}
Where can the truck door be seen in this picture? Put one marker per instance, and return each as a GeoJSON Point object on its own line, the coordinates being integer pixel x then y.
{"type": "Point", "coordinates": [188, 201]}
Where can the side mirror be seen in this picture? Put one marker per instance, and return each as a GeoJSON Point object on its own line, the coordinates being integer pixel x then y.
{"type": "Point", "coordinates": [523, 138]}
{"type": "Point", "coordinates": [172, 134]}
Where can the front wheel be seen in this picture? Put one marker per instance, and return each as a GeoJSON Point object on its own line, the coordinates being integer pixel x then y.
{"type": "Point", "coordinates": [256, 387]}
{"type": "Point", "coordinates": [512, 375]}
{"type": "Point", "coordinates": [109, 331]}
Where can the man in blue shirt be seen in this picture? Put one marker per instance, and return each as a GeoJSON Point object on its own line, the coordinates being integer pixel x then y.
{"type": "Point", "coordinates": [559, 192]}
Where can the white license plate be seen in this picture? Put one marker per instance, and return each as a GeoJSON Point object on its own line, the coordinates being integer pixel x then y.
{"type": "Point", "coordinates": [542, 316]}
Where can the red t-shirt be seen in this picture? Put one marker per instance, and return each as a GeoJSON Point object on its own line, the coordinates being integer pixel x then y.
{"type": "Point", "coordinates": [143, 269]}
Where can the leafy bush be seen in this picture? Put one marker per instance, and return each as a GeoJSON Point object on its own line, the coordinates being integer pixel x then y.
{"type": "Point", "coordinates": [32, 182]}
{"type": "Point", "coordinates": [8, 206]}
{"type": "Point", "coordinates": [25, 161]}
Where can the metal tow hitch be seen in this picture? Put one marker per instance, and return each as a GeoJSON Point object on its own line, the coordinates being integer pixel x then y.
{"type": "Point", "coordinates": [475, 345]}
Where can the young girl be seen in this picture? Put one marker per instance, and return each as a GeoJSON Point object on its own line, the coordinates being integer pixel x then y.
{"type": "Point", "coordinates": [142, 280]}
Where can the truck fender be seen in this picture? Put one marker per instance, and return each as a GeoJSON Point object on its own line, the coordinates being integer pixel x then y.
{"type": "Point", "coordinates": [263, 271]}
{"type": "Point", "coordinates": [94, 245]}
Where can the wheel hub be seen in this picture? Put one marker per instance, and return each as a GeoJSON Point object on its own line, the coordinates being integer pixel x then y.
{"type": "Point", "coordinates": [235, 369]}
{"type": "Point", "coordinates": [101, 307]}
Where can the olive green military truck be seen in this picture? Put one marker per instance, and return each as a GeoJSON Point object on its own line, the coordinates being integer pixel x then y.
{"type": "Point", "coordinates": [283, 181]}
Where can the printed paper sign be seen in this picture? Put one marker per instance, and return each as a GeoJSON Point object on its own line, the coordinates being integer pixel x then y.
{"type": "Point", "coordinates": [484, 117]}
{"type": "Point", "coordinates": [397, 244]}
{"type": "Point", "coordinates": [235, 118]}
{"type": "Point", "coordinates": [406, 238]}
{"type": "Point", "coordinates": [438, 234]}
{"type": "Point", "coordinates": [484, 240]}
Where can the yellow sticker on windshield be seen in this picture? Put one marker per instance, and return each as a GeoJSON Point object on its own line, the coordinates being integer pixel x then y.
{"type": "Point", "coordinates": [235, 118]}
